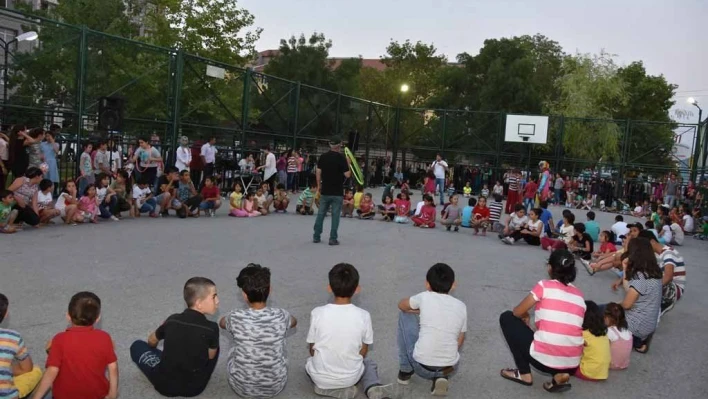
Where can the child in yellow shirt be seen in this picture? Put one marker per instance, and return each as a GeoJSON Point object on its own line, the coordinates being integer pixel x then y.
{"type": "Point", "coordinates": [358, 196]}
{"type": "Point", "coordinates": [595, 363]}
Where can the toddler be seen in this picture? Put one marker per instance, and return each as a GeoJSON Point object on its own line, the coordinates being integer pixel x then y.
{"type": "Point", "coordinates": [485, 191]}
{"type": "Point", "coordinates": [88, 205]}
{"type": "Point", "coordinates": [388, 209]}
{"type": "Point", "coordinates": [452, 215]}
{"type": "Point", "coordinates": [498, 188]}
{"type": "Point", "coordinates": [348, 204]}
{"type": "Point", "coordinates": [619, 335]}
{"type": "Point", "coordinates": [366, 207]}
{"type": "Point", "coordinates": [248, 207]}
{"type": "Point", "coordinates": [467, 190]}
{"type": "Point", "coordinates": [595, 362]}
{"type": "Point", "coordinates": [426, 217]}
{"type": "Point", "coordinates": [7, 214]}
{"type": "Point", "coordinates": [403, 207]}
{"type": "Point", "coordinates": [261, 202]}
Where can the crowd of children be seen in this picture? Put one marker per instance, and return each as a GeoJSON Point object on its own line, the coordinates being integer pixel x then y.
{"type": "Point", "coordinates": [82, 362]}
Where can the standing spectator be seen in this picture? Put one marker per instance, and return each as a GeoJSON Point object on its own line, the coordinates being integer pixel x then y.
{"type": "Point", "coordinates": [513, 196]}
{"type": "Point", "coordinates": [4, 159]}
{"type": "Point", "coordinates": [269, 170]}
{"type": "Point", "coordinates": [398, 176]}
{"type": "Point", "coordinates": [18, 157]}
{"type": "Point", "coordinates": [558, 189]}
{"type": "Point", "coordinates": [33, 142]}
{"type": "Point", "coordinates": [115, 157]}
{"type": "Point", "coordinates": [208, 156]}
{"type": "Point", "coordinates": [149, 158]}
{"type": "Point", "coordinates": [439, 168]}
{"type": "Point", "coordinates": [530, 193]}
{"type": "Point", "coordinates": [291, 170]}
{"type": "Point", "coordinates": [671, 189]}
{"type": "Point", "coordinates": [197, 165]}
{"type": "Point", "coordinates": [50, 149]}
{"type": "Point", "coordinates": [281, 166]}
{"type": "Point", "coordinates": [184, 155]}
{"type": "Point", "coordinates": [332, 169]}
{"type": "Point", "coordinates": [101, 162]}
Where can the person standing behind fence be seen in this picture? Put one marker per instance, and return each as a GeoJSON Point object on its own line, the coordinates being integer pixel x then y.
{"type": "Point", "coordinates": [439, 168]}
{"type": "Point", "coordinates": [208, 156]}
{"type": "Point", "coordinates": [50, 149]}
{"type": "Point", "coordinates": [332, 169]}
{"type": "Point", "coordinates": [148, 158]}
{"type": "Point", "coordinates": [184, 155]}
{"type": "Point", "coordinates": [269, 170]}
{"type": "Point", "coordinates": [514, 193]}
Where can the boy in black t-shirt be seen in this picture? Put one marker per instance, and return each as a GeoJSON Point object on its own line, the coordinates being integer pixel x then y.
{"type": "Point", "coordinates": [581, 245]}
{"type": "Point", "coordinates": [191, 344]}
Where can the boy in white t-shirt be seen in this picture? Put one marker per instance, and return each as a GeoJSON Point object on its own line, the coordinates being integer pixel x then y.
{"type": "Point", "coordinates": [515, 221]}
{"type": "Point", "coordinates": [339, 338]}
{"type": "Point", "coordinates": [431, 330]}
{"type": "Point", "coordinates": [144, 200]}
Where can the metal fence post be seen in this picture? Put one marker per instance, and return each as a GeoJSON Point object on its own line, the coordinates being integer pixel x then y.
{"type": "Point", "coordinates": [176, 99]}
{"type": "Point", "coordinates": [369, 123]}
{"type": "Point", "coordinates": [80, 92]}
{"type": "Point", "coordinates": [624, 153]}
{"type": "Point", "coordinates": [245, 100]}
{"type": "Point", "coordinates": [444, 130]}
{"type": "Point", "coordinates": [500, 146]}
{"type": "Point", "coordinates": [337, 115]}
{"type": "Point", "coordinates": [559, 146]}
{"type": "Point", "coordinates": [296, 113]}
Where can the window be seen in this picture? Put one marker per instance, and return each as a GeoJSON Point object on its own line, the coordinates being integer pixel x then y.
{"type": "Point", "coordinates": [7, 34]}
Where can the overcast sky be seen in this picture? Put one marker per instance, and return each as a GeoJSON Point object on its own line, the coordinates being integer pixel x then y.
{"type": "Point", "coordinates": [669, 36]}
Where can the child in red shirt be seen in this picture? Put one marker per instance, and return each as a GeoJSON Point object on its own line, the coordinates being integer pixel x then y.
{"type": "Point", "coordinates": [79, 356]}
{"type": "Point", "coordinates": [366, 207]}
{"type": "Point", "coordinates": [607, 245]}
{"type": "Point", "coordinates": [348, 204]}
{"type": "Point", "coordinates": [403, 207]}
{"type": "Point", "coordinates": [480, 216]}
{"type": "Point", "coordinates": [426, 218]}
{"type": "Point", "coordinates": [211, 197]}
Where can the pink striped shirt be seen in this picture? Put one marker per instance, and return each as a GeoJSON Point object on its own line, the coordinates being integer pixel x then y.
{"type": "Point", "coordinates": [560, 310]}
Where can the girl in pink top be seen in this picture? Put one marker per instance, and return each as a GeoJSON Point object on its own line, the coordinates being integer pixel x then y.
{"type": "Point", "coordinates": [619, 335]}
{"type": "Point", "coordinates": [88, 205]}
{"type": "Point", "coordinates": [557, 344]}
{"type": "Point", "coordinates": [247, 207]}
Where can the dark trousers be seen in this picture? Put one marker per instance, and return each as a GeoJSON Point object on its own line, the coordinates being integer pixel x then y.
{"type": "Point", "coordinates": [26, 215]}
{"type": "Point", "coordinates": [121, 205]}
{"type": "Point", "coordinates": [106, 209]}
{"type": "Point", "coordinates": [208, 172]}
{"type": "Point", "coordinates": [3, 178]}
{"type": "Point", "coordinates": [147, 359]}
{"type": "Point", "coordinates": [193, 202]}
{"type": "Point", "coordinates": [519, 337]}
{"type": "Point", "coordinates": [292, 181]}
{"type": "Point", "coordinates": [271, 183]}
{"type": "Point", "coordinates": [531, 240]}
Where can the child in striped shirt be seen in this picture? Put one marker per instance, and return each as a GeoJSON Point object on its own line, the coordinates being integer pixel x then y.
{"type": "Point", "coordinates": [495, 211]}
{"type": "Point", "coordinates": [305, 202]}
{"type": "Point", "coordinates": [18, 375]}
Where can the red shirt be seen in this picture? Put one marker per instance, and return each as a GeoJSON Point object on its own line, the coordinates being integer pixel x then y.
{"type": "Point", "coordinates": [365, 206]}
{"type": "Point", "coordinates": [480, 213]}
{"type": "Point", "coordinates": [82, 355]}
{"type": "Point", "coordinates": [210, 192]}
{"type": "Point", "coordinates": [608, 247]}
{"type": "Point", "coordinates": [531, 188]}
{"type": "Point", "coordinates": [403, 207]}
{"type": "Point", "coordinates": [427, 212]}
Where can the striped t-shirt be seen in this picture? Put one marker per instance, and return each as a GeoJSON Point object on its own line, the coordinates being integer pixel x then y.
{"type": "Point", "coordinates": [670, 256]}
{"type": "Point", "coordinates": [495, 211]}
{"type": "Point", "coordinates": [12, 347]}
{"type": "Point", "coordinates": [513, 183]}
{"type": "Point", "coordinates": [292, 165]}
{"type": "Point", "coordinates": [560, 310]}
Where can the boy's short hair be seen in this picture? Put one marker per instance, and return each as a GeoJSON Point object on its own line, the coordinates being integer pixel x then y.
{"type": "Point", "coordinates": [196, 288]}
{"type": "Point", "coordinates": [254, 280]}
{"type": "Point", "coordinates": [579, 227]}
{"type": "Point", "coordinates": [619, 218]}
{"type": "Point", "coordinates": [590, 215]}
{"type": "Point", "coordinates": [44, 184]}
{"type": "Point", "coordinates": [280, 186]}
{"type": "Point", "coordinates": [4, 303]}
{"type": "Point", "coordinates": [171, 169]}
{"type": "Point", "coordinates": [343, 280]}
{"type": "Point", "coordinates": [210, 178]}
{"type": "Point", "coordinates": [84, 308]}
{"type": "Point", "coordinates": [543, 204]}
{"type": "Point", "coordinates": [570, 216]}
{"type": "Point", "coordinates": [184, 172]}
{"type": "Point", "coordinates": [472, 202]}
{"type": "Point", "coordinates": [368, 195]}
{"type": "Point", "coordinates": [498, 198]}
{"type": "Point", "coordinates": [143, 180]}
{"type": "Point", "coordinates": [5, 193]}
{"type": "Point", "coordinates": [440, 277]}
{"type": "Point", "coordinates": [518, 207]}
{"type": "Point", "coordinates": [649, 225]}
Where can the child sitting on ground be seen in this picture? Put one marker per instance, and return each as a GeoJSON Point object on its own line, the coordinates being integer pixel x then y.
{"type": "Point", "coordinates": [45, 202]}
{"type": "Point", "coordinates": [495, 211]}
{"type": "Point", "coordinates": [280, 199]}
{"type": "Point", "coordinates": [67, 204]}
{"type": "Point", "coordinates": [452, 215]}
{"type": "Point", "coordinates": [515, 222]}
{"type": "Point", "coordinates": [619, 335]}
{"type": "Point", "coordinates": [366, 207]}
{"type": "Point", "coordinates": [78, 357]}
{"type": "Point", "coordinates": [257, 332]}
{"type": "Point", "coordinates": [607, 245]}
{"type": "Point", "coordinates": [144, 200]}
{"type": "Point", "coordinates": [348, 204]}
{"type": "Point", "coordinates": [105, 197]}
{"type": "Point", "coordinates": [581, 245]}
{"type": "Point", "coordinates": [235, 200]}
{"type": "Point", "coordinates": [211, 197]}
{"type": "Point", "coordinates": [467, 190]}
{"type": "Point", "coordinates": [187, 195]}
{"type": "Point", "coordinates": [403, 208]}
{"type": "Point", "coordinates": [531, 232]}
{"type": "Point", "coordinates": [339, 338]}
{"type": "Point", "coordinates": [7, 214]}
{"type": "Point", "coordinates": [485, 191]}
{"type": "Point", "coordinates": [261, 202]}
{"type": "Point", "coordinates": [18, 374]}
{"type": "Point", "coordinates": [120, 186]}
{"type": "Point", "coordinates": [191, 344]}
{"type": "Point", "coordinates": [358, 196]}
{"type": "Point", "coordinates": [638, 211]}
{"type": "Point", "coordinates": [426, 217]}
{"type": "Point", "coordinates": [248, 207]}
{"type": "Point", "coordinates": [388, 209]}
{"type": "Point", "coordinates": [305, 202]}
{"type": "Point", "coordinates": [466, 219]}
{"type": "Point", "coordinates": [88, 204]}
{"type": "Point", "coordinates": [480, 216]}
{"type": "Point", "coordinates": [431, 330]}
{"type": "Point", "coordinates": [595, 362]}
{"type": "Point", "coordinates": [406, 187]}
{"type": "Point", "coordinates": [565, 234]}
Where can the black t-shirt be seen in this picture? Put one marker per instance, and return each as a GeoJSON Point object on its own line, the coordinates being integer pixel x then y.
{"type": "Point", "coordinates": [183, 369]}
{"type": "Point", "coordinates": [164, 180]}
{"type": "Point", "coordinates": [581, 244]}
{"type": "Point", "coordinates": [333, 165]}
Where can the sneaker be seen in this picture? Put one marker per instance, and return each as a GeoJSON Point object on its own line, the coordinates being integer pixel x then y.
{"type": "Point", "coordinates": [113, 218]}
{"type": "Point", "coordinates": [212, 213]}
{"type": "Point", "coordinates": [448, 228]}
{"type": "Point", "coordinates": [666, 306]}
{"type": "Point", "coordinates": [333, 242]}
{"type": "Point", "coordinates": [164, 214]}
{"type": "Point", "coordinates": [508, 240]}
{"type": "Point", "coordinates": [404, 378]}
{"type": "Point", "coordinates": [457, 229]}
{"type": "Point", "coordinates": [587, 266]}
{"type": "Point", "coordinates": [341, 393]}
{"type": "Point", "coordinates": [439, 387]}
{"type": "Point", "coordinates": [380, 392]}
{"type": "Point", "coordinates": [316, 240]}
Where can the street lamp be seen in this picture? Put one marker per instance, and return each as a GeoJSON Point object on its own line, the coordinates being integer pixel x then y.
{"type": "Point", "coordinates": [696, 152]}
{"type": "Point", "coordinates": [397, 127]}
{"type": "Point", "coordinates": [25, 37]}
{"type": "Point", "coordinates": [404, 88]}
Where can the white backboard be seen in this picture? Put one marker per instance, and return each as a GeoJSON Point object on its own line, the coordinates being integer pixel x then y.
{"type": "Point", "coordinates": [529, 129]}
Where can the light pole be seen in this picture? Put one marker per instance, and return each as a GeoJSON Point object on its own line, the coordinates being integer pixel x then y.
{"type": "Point", "coordinates": [25, 37]}
{"type": "Point", "coordinates": [697, 149]}
{"type": "Point", "coordinates": [404, 89]}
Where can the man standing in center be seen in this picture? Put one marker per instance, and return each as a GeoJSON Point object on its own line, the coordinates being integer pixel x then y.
{"type": "Point", "coordinates": [332, 169]}
{"type": "Point", "coordinates": [439, 168]}
{"type": "Point", "coordinates": [208, 155]}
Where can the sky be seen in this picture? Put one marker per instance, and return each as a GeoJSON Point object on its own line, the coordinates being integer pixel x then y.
{"type": "Point", "coordinates": [668, 36]}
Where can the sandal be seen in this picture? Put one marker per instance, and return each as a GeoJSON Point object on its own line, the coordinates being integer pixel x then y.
{"type": "Point", "coordinates": [516, 377]}
{"type": "Point", "coordinates": [645, 345]}
{"type": "Point", "coordinates": [555, 387]}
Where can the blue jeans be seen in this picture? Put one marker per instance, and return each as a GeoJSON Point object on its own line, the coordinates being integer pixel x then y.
{"type": "Point", "coordinates": [292, 181]}
{"type": "Point", "coordinates": [557, 195]}
{"type": "Point", "coordinates": [105, 207]}
{"type": "Point", "coordinates": [149, 206]}
{"type": "Point", "coordinates": [206, 205]}
{"type": "Point", "coordinates": [528, 204]}
{"type": "Point", "coordinates": [441, 189]}
{"type": "Point", "coordinates": [327, 202]}
{"type": "Point", "coordinates": [408, 330]}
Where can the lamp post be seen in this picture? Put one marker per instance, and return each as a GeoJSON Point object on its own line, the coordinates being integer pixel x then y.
{"type": "Point", "coordinates": [25, 37]}
{"type": "Point", "coordinates": [697, 149]}
{"type": "Point", "coordinates": [404, 89]}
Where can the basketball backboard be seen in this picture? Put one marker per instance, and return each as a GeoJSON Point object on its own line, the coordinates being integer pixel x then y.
{"type": "Point", "coordinates": [529, 129]}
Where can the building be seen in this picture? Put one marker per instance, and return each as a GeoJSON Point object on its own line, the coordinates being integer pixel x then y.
{"type": "Point", "coordinates": [264, 57]}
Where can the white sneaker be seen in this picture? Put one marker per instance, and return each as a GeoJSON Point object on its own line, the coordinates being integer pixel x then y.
{"type": "Point", "coordinates": [113, 218]}
{"type": "Point", "coordinates": [440, 386]}
{"type": "Point", "coordinates": [342, 393]}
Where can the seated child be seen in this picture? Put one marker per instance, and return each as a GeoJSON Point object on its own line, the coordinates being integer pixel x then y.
{"type": "Point", "coordinates": [388, 209]}
{"type": "Point", "coordinates": [389, 190]}
{"type": "Point", "coordinates": [452, 215]}
{"type": "Point", "coordinates": [467, 190]}
{"type": "Point", "coordinates": [235, 200]}
{"type": "Point", "coordinates": [258, 333]}
{"type": "Point", "coordinates": [495, 211]}
{"type": "Point", "coordinates": [358, 196]}
{"type": "Point", "coordinates": [406, 187]}
{"type": "Point", "coordinates": [121, 188]}
{"type": "Point", "coordinates": [144, 200]}
{"type": "Point", "coordinates": [607, 245]}
{"type": "Point", "coordinates": [649, 225]}
{"type": "Point", "coordinates": [565, 234]}
{"type": "Point", "coordinates": [466, 219]}
{"type": "Point", "coordinates": [431, 330]}
{"type": "Point", "coordinates": [531, 232]}
{"type": "Point", "coordinates": [638, 211]}
{"type": "Point", "coordinates": [78, 357]}
{"type": "Point", "coordinates": [168, 198]}
{"type": "Point", "coordinates": [348, 204]}
{"type": "Point", "coordinates": [619, 335]}
{"type": "Point", "coordinates": [45, 202]}
{"type": "Point", "coordinates": [581, 245]}
{"type": "Point", "coordinates": [191, 344]}
{"type": "Point", "coordinates": [187, 195]}
{"type": "Point", "coordinates": [280, 199]}
{"type": "Point", "coordinates": [595, 362]}
{"type": "Point", "coordinates": [68, 204]}
{"type": "Point", "coordinates": [515, 222]}
{"type": "Point", "coordinates": [211, 197]}
{"type": "Point", "coordinates": [366, 207]}
{"type": "Point", "coordinates": [403, 206]}
{"type": "Point", "coordinates": [261, 201]}
{"type": "Point", "coordinates": [18, 374]}
{"type": "Point", "coordinates": [485, 191]}
{"type": "Point", "coordinates": [339, 338]}
{"type": "Point", "coordinates": [88, 204]}
{"type": "Point", "coordinates": [480, 216]}
{"type": "Point", "coordinates": [426, 217]}
{"type": "Point", "coordinates": [248, 206]}
{"type": "Point", "coordinates": [305, 202]}
{"type": "Point", "coordinates": [7, 214]}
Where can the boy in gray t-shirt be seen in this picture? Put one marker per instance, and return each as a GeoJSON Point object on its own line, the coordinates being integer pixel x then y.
{"type": "Point", "coordinates": [452, 215]}
{"type": "Point", "coordinates": [258, 363]}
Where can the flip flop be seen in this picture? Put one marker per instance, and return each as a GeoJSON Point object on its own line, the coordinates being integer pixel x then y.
{"type": "Point", "coordinates": [516, 377]}
{"type": "Point", "coordinates": [554, 387]}
{"type": "Point", "coordinates": [645, 344]}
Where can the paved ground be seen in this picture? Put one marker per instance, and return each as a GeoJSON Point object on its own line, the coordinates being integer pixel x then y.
{"type": "Point", "coordinates": [138, 268]}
